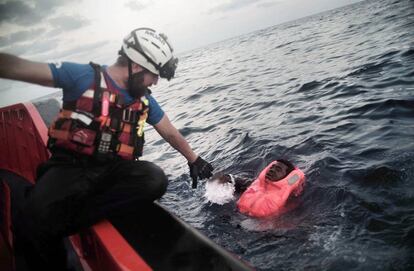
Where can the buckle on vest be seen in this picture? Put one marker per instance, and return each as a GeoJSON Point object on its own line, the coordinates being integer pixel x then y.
{"type": "Point", "coordinates": [128, 115]}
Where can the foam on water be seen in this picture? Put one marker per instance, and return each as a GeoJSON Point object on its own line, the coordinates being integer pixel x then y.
{"type": "Point", "coordinates": [219, 193]}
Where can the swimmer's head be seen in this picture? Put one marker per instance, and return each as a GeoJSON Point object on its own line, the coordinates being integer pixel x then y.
{"type": "Point", "coordinates": [279, 170]}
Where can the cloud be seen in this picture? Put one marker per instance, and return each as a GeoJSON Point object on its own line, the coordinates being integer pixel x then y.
{"type": "Point", "coordinates": [28, 48]}
{"type": "Point", "coordinates": [231, 5]}
{"type": "Point", "coordinates": [268, 4]}
{"type": "Point", "coordinates": [42, 46]}
{"type": "Point", "coordinates": [26, 13]}
{"type": "Point", "coordinates": [67, 23]}
{"type": "Point", "coordinates": [84, 49]}
{"type": "Point", "coordinates": [21, 36]}
{"type": "Point", "coordinates": [59, 25]}
{"type": "Point", "coordinates": [17, 12]}
{"type": "Point", "coordinates": [136, 5]}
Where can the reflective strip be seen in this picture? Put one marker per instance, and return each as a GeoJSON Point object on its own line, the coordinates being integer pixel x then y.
{"type": "Point", "coordinates": [85, 119]}
{"type": "Point", "coordinates": [112, 98]}
{"type": "Point", "coordinates": [105, 103]}
{"type": "Point", "coordinates": [67, 114]}
{"type": "Point", "coordinates": [126, 149]}
{"type": "Point", "coordinates": [103, 83]}
{"type": "Point", "coordinates": [293, 179]}
{"type": "Point", "coordinates": [88, 94]}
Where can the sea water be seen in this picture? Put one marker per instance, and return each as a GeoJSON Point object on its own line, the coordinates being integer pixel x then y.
{"type": "Point", "coordinates": [334, 94]}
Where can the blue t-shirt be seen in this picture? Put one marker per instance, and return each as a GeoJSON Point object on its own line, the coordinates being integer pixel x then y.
{"type": "Point", "coordinates": [75, 79]}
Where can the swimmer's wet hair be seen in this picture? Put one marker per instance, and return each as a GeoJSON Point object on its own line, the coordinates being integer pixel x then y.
{"type": "Point", "coordinates": [290, 166]}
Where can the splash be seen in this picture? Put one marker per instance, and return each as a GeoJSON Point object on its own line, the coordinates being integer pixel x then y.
{"type": "Point", "coordinates": [219, 193]}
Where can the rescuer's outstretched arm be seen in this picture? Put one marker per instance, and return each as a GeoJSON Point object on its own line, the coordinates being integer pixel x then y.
{"type": "Point", "coordinates": [16, 68]}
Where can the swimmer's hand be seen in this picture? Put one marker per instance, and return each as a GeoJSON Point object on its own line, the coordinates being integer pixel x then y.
{"type": "Point", "coordinates": [200, 169]}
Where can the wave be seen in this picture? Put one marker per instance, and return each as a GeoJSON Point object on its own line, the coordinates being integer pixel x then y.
{"type": "Point", "coordinates": [384, 108]}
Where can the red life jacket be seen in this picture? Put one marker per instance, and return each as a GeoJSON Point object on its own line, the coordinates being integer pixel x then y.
{"type": "Point", "coordinates": [264, 198]}
{"type": "Point", "coordinates": [100, 123]}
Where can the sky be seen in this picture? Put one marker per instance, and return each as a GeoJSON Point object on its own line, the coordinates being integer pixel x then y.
{"type": "Point", "coordinates": [83, 30]}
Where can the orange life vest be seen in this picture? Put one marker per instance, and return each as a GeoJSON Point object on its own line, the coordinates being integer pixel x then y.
{"type": "Point", "coordinates": [264, 198]}
{"type": "Point", "coordinates": [100, 123]}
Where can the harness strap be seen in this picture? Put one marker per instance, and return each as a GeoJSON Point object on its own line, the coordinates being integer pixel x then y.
{"type": "Point", "coordinates": [98, 89]}
{"type": "Point", "coordinates": [126, 149]}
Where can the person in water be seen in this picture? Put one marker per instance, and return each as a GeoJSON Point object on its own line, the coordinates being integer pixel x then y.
{"type": "Point", "coordinates": [95, 143]}
{"type": "Point", "coordinates": [262, 197]}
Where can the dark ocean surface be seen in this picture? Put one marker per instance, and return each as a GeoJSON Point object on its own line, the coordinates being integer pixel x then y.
{"type": "Point", "coordinates": [333, 93]}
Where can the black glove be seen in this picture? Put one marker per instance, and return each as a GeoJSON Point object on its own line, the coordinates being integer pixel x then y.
{"type": "Point", "coordinates": [200, 169]}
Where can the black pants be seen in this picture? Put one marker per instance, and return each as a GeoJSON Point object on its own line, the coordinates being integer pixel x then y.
{"type": "Point", "coordinates": [72, 194]}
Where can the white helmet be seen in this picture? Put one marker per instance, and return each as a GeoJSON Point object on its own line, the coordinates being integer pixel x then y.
{"type": "Point", "coordinates": [150, 50]}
